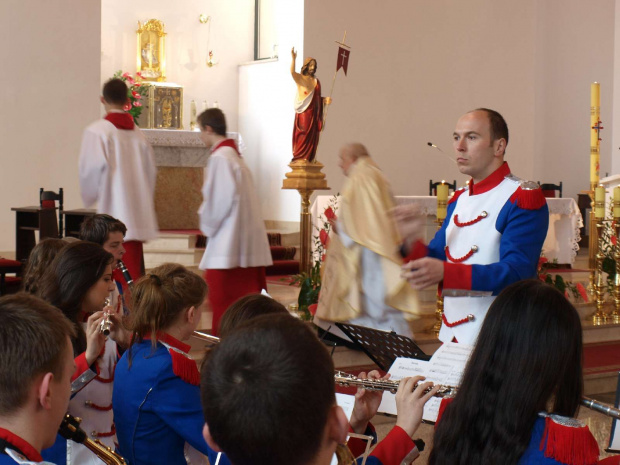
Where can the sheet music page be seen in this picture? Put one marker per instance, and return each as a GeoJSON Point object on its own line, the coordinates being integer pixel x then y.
{"type": "Point", "coordinates": [446, 366]}
{"type": "Point", "coordinates": [347, 402]}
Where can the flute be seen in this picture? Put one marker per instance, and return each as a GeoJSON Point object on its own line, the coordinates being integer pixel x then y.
{"type": "Point", "coordinates": [347, 380]}
{"type": "Point", "coordinates": [206, 337]}
{"type": "Point", "coordinates": [106, 323]}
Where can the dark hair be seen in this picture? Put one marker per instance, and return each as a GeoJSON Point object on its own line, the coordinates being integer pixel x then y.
{"type": "Point", "coordinates": [267, 390]}
{"type": "Point", "coordinates": [33, 337]}
{"type": "Point", "coordinates": [97, 228]}
{"type": "Point", "coordinates": [214, 118]}
{"type": "Point", "coordinates": [527, 358]}
{"type": "Point", "coordinates": [115, 92]}
{"type": "Point", "coordinates": [160, 297]}
{"type": "Point", "coordinates": [39, 260]}
{"type": "Point", "coordinates": [245, 309]}
{"type": "Point", "coordinates": [304, 68]}
{"type": "Point", "coordinates": [497, 124]}
{"type": "Point", "coordinates": [76, 269]}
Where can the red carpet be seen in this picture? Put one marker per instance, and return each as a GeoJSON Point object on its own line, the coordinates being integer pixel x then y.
{"type": "Point", "coordinates": [603, 357]}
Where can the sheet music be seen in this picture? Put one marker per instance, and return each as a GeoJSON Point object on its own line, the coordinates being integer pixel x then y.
{"type": "Point", "coordinates": [446, 366]}
{"type": "Point", "coordinates": [347, 402]}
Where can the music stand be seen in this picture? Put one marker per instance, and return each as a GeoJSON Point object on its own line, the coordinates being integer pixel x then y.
{"type": "Point", "coordinates": [382, 347]}
{"type": "Point", "coordinates": [614, 423]}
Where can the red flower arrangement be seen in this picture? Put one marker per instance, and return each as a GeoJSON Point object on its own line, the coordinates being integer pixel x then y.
{"type": "Point", "coordinates": [135, 92]}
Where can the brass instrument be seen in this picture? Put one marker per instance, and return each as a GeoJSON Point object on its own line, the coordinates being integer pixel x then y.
{"type": "Point", "coordinates": [121, 266]}
{"type": "Point", "coordinates": [70, 430]}
{"type": "Point", "coordinates": [206, 337]}
{"type": "Point", "coordinates": [106, 324]}
{"type": "Point", "coordinates": [345, 379]}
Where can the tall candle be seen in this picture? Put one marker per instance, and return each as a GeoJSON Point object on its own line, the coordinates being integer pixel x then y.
{"type": "Point", "coordinates": [617, 202]}
{"type": "Point", "coordinates": [599, 202]}
{"type": "Point", "coordinates": [442, 200]}
{"type": "Point", "coordinates": [595, 115]}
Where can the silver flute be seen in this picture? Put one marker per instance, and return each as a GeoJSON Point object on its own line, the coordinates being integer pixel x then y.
{"type": "Point", "coordinates": [106, 323]}
{"type": "Point", "coordinates": [345, 379]}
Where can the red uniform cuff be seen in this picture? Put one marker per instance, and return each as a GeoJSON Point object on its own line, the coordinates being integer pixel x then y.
{"type": "Point", "coordinates": [418, 250]}
{"type": "Point", "coordinates": [81, 365]}
{"type": "Point", "coordinates": [394, 448]}
{"type": "Point", "coordinates": [456, 276]}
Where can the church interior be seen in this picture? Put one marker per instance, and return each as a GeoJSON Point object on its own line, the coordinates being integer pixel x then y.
{"type": "Point", "coordinates": [415, 67]}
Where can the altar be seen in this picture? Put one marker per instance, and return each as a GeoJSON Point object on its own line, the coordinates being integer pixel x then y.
{"type": "Point", "coordinates": [561, 243]}
{"type": "Point", "coordinates": [180, 157]}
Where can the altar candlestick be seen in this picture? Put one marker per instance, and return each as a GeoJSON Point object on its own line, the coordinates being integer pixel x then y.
{"type": "Point", "coordinates": [442, 200]}
{"type": "Point", "coordinates": [617, 202]}
{"type": "Point", "coordinates": [595, 115]}
{"type": "Point", "coordinates": [599, 202]}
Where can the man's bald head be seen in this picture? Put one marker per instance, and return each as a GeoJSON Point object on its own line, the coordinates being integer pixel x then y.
{"type": "Point", "coordinates": [349, 154]}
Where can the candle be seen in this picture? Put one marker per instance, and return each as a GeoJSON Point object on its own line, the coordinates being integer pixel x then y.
{"type": "Point", "coordinates": [442, 200]}
{"type": "Point", "coordinates": [617, 202]}
{"type": "Point", "coordinates": [595, 115]}
{"type": "Point", "coordinates": [192, 112]}
{"type": "Point", "coordinates": [599, 202]}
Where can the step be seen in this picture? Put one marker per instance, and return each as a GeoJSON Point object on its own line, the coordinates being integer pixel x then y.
{"type": "Point", "coordinates": [169, 241]}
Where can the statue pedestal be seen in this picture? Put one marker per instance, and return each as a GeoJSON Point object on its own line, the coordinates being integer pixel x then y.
{"type": "Point", "coordinates": [305, 177]}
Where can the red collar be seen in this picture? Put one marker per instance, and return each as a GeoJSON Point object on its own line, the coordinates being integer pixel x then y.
{"type": "Point", "coordinates": [171, 341]}
{"type": "Point", "coordinates": [24, 447]}
{"type": "Point", "coordinates": [492, 180]}
{"type": "Point", "coordinates": [120, 120]}
{"type": "Point", "coordinates": [226, 143]}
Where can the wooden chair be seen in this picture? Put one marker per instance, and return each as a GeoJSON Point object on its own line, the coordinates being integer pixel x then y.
{"type": "Point", "coordinates": [432, 187]}
{"type": "Point", "coordinates": [549, 189]}
{"type": "Point", "coordinates": [9, 267]}
{"type": "Point", "coordinates": [48, 199]}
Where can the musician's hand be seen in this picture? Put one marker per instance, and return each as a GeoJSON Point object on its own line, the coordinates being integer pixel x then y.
{"type": "Point", "coordinates": [410, 402]}
{"type": "Point", "coordinates": [366, 403]}
{"type": "Point", "coordinates": [409, 221]}
{"type": "Point", "coordinates": [423, 272]}
{"type": "Point", "coordinates": [95, 340]}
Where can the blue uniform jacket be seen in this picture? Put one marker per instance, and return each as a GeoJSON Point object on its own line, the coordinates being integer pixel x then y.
{"type": "Point", "coordinates": [155, 411]}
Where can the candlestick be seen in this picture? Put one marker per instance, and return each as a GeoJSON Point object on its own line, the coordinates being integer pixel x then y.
{"type": "Point", "coordinates": [599, 202]}
{"type": "Point", "coordinates": [442, 200]}
{"type": "Point", "coordinates": [617, 203]}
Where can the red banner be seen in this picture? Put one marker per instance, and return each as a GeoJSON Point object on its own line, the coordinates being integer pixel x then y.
{"type": "Point", "coordinates": [343, 59]}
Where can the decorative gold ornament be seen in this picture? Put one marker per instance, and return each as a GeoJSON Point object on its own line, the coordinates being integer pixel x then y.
{"type": "Point", "coordinates": [151, 56]}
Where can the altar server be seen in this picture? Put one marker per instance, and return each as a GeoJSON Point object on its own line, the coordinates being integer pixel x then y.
{"type": "Point", "coordinates": [156, 395]}
{"type": "Point", "coordinates": [118, 172]}
{"type": "Point", "coordinates": [493, 232]}
{"type": "Point", "coordinates": [230, 216]}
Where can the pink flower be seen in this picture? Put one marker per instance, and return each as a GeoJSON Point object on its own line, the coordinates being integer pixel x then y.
{"type": "Point", "coordinates": [582, 292]}
{"type": "Point", "coordinates": [329, 213]}
{"type": "Point", "coordinates": [542, 277]}
{"type": "Point", "coordinates": [324, 237]}
{"type": "Point", "coordinates": [136, 95]}
{"type": "Point", "coordinates": [127, 107]}
{"type": "Point", "coordinates": [139, 74]}
{"type": "Point", "coordinates": [614, 240]}
{"type": "Point", "coordinates": [137, 104]}
{"type": "Point", "coordinates": [323, 257]}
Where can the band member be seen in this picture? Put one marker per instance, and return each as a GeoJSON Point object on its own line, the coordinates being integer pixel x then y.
{"type": "Point", "coordinates": [156, 395]}
{"type": "Point", "coordinates": [39, 261]}
{"type": "Point", "coordinates": [37, 364]}
{"type": "Point", "coordinates": [78, 282]}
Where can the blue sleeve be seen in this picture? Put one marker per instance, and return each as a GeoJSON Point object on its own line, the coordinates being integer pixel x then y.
{"type": "Point", "coordinates": [523, 234]}
{"type": "Point", "coordinates": [177, 403]}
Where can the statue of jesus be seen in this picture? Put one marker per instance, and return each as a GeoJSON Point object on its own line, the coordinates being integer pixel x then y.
{"type": "Point", "coordinates": [308, 110]}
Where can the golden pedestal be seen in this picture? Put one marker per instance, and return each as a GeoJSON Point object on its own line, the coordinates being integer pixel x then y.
{"type": "Point", "coordinates": [305, 177]}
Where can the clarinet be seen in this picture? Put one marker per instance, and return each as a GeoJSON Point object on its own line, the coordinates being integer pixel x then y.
{"type": "Point", "coordinates": [70, 430]}
{"type": "Point", "coordinates": [347, 380]}
{"type": "Point", "coordinates": [121, 266]}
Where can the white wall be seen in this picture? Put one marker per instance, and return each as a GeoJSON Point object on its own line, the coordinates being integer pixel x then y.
{"type": "Point", "coordinates": [231, 39]}
{"type": "Point", "coordinates": [49, 88]}
{"type": "Point", "coordinates": [416, 66]}
{"type": "Point", "coordinates": [266, 93]}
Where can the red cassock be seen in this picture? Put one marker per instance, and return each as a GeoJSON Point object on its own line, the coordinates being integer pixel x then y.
{"type": "Point", "coordinates": [308, 126]}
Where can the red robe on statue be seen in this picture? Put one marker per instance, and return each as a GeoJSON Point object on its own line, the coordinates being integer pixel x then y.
{"type": "Point", "coordinates": [308, 127]}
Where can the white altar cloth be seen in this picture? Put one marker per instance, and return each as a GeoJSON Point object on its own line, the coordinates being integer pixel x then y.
{"type": "Point", "coordinates": [561, 243]}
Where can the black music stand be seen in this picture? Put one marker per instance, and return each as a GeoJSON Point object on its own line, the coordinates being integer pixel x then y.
{"type": "Point", "coordinates": [614, 422]}
{"type": "Point", "coordinates": [382, 347]}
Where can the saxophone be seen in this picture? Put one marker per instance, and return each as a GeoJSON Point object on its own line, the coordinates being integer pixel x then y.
{"type": "Point", "coordinates": [70, 430]}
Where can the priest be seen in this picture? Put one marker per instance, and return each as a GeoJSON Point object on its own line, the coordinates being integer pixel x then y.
{"type": "Point", "coordinates": [362, 283]}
